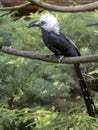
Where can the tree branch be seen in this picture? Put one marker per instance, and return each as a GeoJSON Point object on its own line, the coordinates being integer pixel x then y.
{"type": "Point", "coordinates": [15, 7]}
{"type": "Point", "coordinates": [49, 58]}
{"type": "Point", "coordinates": [44, 5]}
{"type": "Point", "coordinates": [92, 24]}
{"type": "Point", "coordinates": [73, 9]}
{"type": "Point", "coordinates": [79, 8]}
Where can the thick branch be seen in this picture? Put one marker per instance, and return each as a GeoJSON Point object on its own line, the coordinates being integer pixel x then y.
{"type": "Point", "coordinates": [79, 8]}
{"type": "Point", "coordinates": [40, 3]}
{"type": "Point", "coordinates": [15, 7]}
{"type": "Point", "coordinates": [49, 58]}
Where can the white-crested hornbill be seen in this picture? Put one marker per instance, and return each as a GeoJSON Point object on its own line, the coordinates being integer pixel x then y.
{"type": "Point", "coordinates": [60, 45]}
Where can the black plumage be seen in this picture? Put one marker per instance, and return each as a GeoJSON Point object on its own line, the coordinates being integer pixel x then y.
{"type": "Point", "coordinates": [60, 45]}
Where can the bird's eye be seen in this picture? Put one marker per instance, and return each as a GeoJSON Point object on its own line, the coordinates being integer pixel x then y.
{"type": "Point", "coordinates": [43, 22]}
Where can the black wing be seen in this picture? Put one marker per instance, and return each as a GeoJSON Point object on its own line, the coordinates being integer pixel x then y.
{"type": "Point", "coordinates": [73, 47]}
{"type": "Point", "coordinates": [60, 44]}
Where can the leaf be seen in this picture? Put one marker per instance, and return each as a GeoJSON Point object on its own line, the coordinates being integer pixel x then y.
{"type": "Point", "coordinates": [94, 71]}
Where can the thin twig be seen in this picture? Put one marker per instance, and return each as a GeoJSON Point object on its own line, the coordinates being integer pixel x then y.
{"type": "Point", "coordinates": [15, 7]}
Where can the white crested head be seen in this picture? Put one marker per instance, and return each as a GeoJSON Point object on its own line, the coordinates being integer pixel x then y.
{"type": "Point", "coordinates": [49, 23]}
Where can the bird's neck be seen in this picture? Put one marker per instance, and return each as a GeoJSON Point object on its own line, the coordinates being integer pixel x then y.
{"type": "Point", "coordinates": [45, 32]}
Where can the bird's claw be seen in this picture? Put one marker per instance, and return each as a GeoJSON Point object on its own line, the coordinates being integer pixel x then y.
{"type": "Point", "coordinates": [60, 59]}
{"type": "Point", "coordinates": [52, 55]}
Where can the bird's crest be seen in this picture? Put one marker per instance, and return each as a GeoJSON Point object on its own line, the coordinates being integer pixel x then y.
{"type": "Point", "coordinates": [50, 23]}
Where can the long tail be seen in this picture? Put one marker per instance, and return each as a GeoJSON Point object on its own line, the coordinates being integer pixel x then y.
{"type": "Point", "coordinates": [91, 109]}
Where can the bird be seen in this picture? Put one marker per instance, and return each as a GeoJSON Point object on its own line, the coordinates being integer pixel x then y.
{"type": "Point", "coordinates": [61, 45]}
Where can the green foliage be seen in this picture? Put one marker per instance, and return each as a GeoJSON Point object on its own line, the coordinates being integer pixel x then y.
{"type": "Point", "coordinates": [30, 89]}
{"type": "Point", "coordinates": [41, 119]}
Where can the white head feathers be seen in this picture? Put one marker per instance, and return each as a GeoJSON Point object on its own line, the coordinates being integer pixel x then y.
{"type": "Point", "coordinates": [50, 23]}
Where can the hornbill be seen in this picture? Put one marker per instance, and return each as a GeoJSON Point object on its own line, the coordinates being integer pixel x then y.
{"type": "Point", "coordinates": [60, 45]}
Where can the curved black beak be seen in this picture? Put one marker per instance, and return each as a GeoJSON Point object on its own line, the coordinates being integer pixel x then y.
{"type": "Point", "coordinates": [35, 23]}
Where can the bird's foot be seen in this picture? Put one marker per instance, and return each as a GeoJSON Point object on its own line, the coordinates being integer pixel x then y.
{"type": "Point", "coordinates": [52, 55]}
{"type": "Point", "coordinates": [60, 59]}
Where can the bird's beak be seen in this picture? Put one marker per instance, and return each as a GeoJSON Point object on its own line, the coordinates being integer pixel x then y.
{"type": "Point", "coordinates": [34, 24]}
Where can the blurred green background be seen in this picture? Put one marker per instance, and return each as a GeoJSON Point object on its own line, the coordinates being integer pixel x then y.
{"type": "Point", "coordinates": [35, 95]}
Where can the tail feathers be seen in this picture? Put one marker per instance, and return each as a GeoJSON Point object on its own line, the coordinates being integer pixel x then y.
{"type": "Point", "coordinates": [91, 109]}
